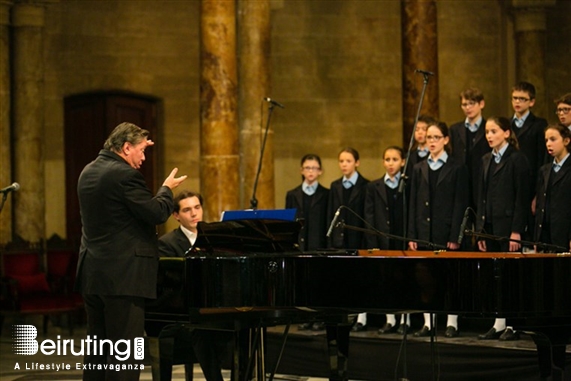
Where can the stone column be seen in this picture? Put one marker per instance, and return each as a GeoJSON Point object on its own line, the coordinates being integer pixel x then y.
{"type": "Point", "coordinates": [28, 114]}
{"type": "Point", "coordinates": [254, 73]}
{"type": "Point", "coordinates": [5, 136]}
{"type": "Point", "coordinates": [419, 51]}
{"type": "Point", "coordinates": [530, 40]}
{"type": "Point", "coordinates": [219, 157]}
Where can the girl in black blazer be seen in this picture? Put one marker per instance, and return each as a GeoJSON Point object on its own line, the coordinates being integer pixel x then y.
{"type": "Point", "coordinates": [553, 208]}
{"type": "Point", "coordinates": [438, 194]}
{"type": "Point", "coordinates": [348, 191]}
{"type": "Point", "coordinates": [503, 201]}
{"type": "Point", "coordinates": [310, 199]}
{"type": "Point", "coordinates": [439, 197]}
{"type": "Point", "coordinates": [384, 211]}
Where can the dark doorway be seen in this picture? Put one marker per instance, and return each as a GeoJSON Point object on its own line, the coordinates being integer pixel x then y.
{"type": "Point", "coordinates": [89, 118]}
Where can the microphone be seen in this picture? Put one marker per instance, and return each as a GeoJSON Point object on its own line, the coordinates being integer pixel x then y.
{"type": "Point", "coordinates": [424, 72]}
{"type": "Point", "coordinates": [463, 226]}
{"type": "Point", "coordinates": [333, 222]}
{"type": "Point", "coordinates": [10, 188]}
{"type": "Point", "coordinates": [276, 103]}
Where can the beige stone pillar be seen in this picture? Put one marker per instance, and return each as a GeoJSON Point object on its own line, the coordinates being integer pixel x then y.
{"type": "Point", "coordinates": [530, 40]}
{"type": "Point", "coordinates": [5, 136]}
{"type": "Point", "coordinates": [254, 73]}
{"type": "Point", "coordinates": [419, 51]}
{"type": "Point", "coordinates": [219, 157]}
{"type": "Point", "coordinates": [28, 97]}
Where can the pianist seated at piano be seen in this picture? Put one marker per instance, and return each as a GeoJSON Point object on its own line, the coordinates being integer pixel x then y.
{"type": "Point", "coordinates": [208, 346]}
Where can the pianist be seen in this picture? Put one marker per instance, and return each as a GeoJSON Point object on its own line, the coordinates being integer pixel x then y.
{"type": "Point", "coordinates": [208, 346]}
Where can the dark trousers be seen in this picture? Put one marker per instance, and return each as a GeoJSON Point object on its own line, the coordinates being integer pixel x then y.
{"type": "Point", "coordinates": [113, 318]}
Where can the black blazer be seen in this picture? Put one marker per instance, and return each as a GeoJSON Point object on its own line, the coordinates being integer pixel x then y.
{"type": "Point", "coordinates": [174, 244]}
{"type": "Point", "coordinates": [413, 159]}
{"type": "Point", "coordinates": [377, 213]}
{"type": "Point", "coordinates": [531, 140]}
{"type": "Point", "coordinates": [315, 218]}
{"type": "Point", "coordinates": [356, 204]}
{"type": "Point", "coordinates": [559, 204]}
{"type": "Point", "coordinates": [509, 193]}
{"type": "Point", "coordinates": [438, 220]}
{"type": "Point", "coordinates": [119, 251]}
{"type": "Point", "coordinates": [474, 162]}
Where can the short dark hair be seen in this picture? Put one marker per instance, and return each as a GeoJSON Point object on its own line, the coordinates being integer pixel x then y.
{"type": "Point", "coordinates": [123, 133]}
{"type": "Point", "coordinates": [352, 151]}
{"type": "Point", "coordinates": [566, 98]}
{"type": "Point", "coordinates": [426, 119]}
{"type": "Point", "coordinates": [395, 148]}
{"type": "Point", "coordinates": [311, 156]}
{"type": "Point", "coordinates": [472, 94]}
{"type": "Point", "coordinates": [525, 87]}
{"type": "Point", "coordinates": [185, 194]}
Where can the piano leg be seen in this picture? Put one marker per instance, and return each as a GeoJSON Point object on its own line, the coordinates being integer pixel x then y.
{"type": "Point", "coordinates": [551, 345]}
{"type": "Point", "coordinates": [248, 357]}
{"type": "Point", "coordinates": [338, 345]}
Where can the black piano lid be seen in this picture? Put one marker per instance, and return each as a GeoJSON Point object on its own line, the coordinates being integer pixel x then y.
{"type": "Point", "coordinates": [246, 236]}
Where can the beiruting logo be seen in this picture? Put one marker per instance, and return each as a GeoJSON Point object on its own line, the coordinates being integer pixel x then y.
{"type": "Point", "coordinates": [24, 343]}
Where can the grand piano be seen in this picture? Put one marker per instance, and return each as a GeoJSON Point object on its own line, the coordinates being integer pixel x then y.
{"type": "Point", "coordinates": [249, 274]}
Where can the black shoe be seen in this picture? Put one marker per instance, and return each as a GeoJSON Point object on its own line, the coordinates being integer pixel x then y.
{"type": "Point", "coordinates": [387, 328]}
{"type": "Point", "coordinates": [359, 327]}
{"type": "Point", "coordinates": [451, 331]}
{"type": "Point", "coordinates": [402, 328]}
{"type": "Point", "coordinates": [509, 335]}
{"type": "Point", "coordinates": [304, 326]}
{"type": "Point", "coordinates": [318, 326]}
{"type": "Point", "coordinates": [424, 332]}
{"type": "Point", "coordinates": [492, 334]}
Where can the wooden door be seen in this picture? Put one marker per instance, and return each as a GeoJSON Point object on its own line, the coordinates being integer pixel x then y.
{"type": "Point", "coordinates": [89, 119]}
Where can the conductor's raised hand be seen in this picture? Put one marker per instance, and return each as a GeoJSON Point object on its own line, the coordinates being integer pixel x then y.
{"type": "Point", "coordinates": [171, 181]}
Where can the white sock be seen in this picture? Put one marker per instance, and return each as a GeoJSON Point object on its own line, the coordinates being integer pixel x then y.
{"type": "Point", "coordinates": [500, 324]}
{"type": "Point", "coordinates": [452, 321]}
{"type": "Point", "coordinates": [362, 318]}
{"type": "Point", "coordinates": [402, 319]}
{"type": "Point", "coordinates": [391, 319]}
{"type": "Point", "coordinates": [428, 320]}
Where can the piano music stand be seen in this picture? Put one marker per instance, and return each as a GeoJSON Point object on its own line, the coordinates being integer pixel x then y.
{"type": "Point", "coordinates": [259, 214]}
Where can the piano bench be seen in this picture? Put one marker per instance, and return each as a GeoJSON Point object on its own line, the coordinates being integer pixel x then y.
{"type": "Point", "coordinates": [171, 347]}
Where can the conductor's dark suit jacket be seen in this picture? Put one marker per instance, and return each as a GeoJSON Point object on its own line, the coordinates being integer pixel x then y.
{"type": "Point", "coordinates": [119, 251]}
{"type": "Point", "coordinates": [315, 217]}
{"type": "Point", "coordinates": [174, 244]}
{"type": "Point", "coordinates": [377, 214]}
{"type": "Point", "coordinates": [356, 204]}
{"type": "Point", "coordinates": [474, 161]}
{"type": "Point", "coordinates": [559, 205]}
{"type": "Point", "coordinates": [438, 218]}
{"type": "Point", "coordinates": [509, 198]}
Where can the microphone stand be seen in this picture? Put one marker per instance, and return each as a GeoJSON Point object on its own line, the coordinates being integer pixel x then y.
{"type": "Point", "coordinates": [254, 200]}
{"type": "Point", "coordinates": [403, 179]}
{"type": "Point", "coordinates": [547, 246]}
